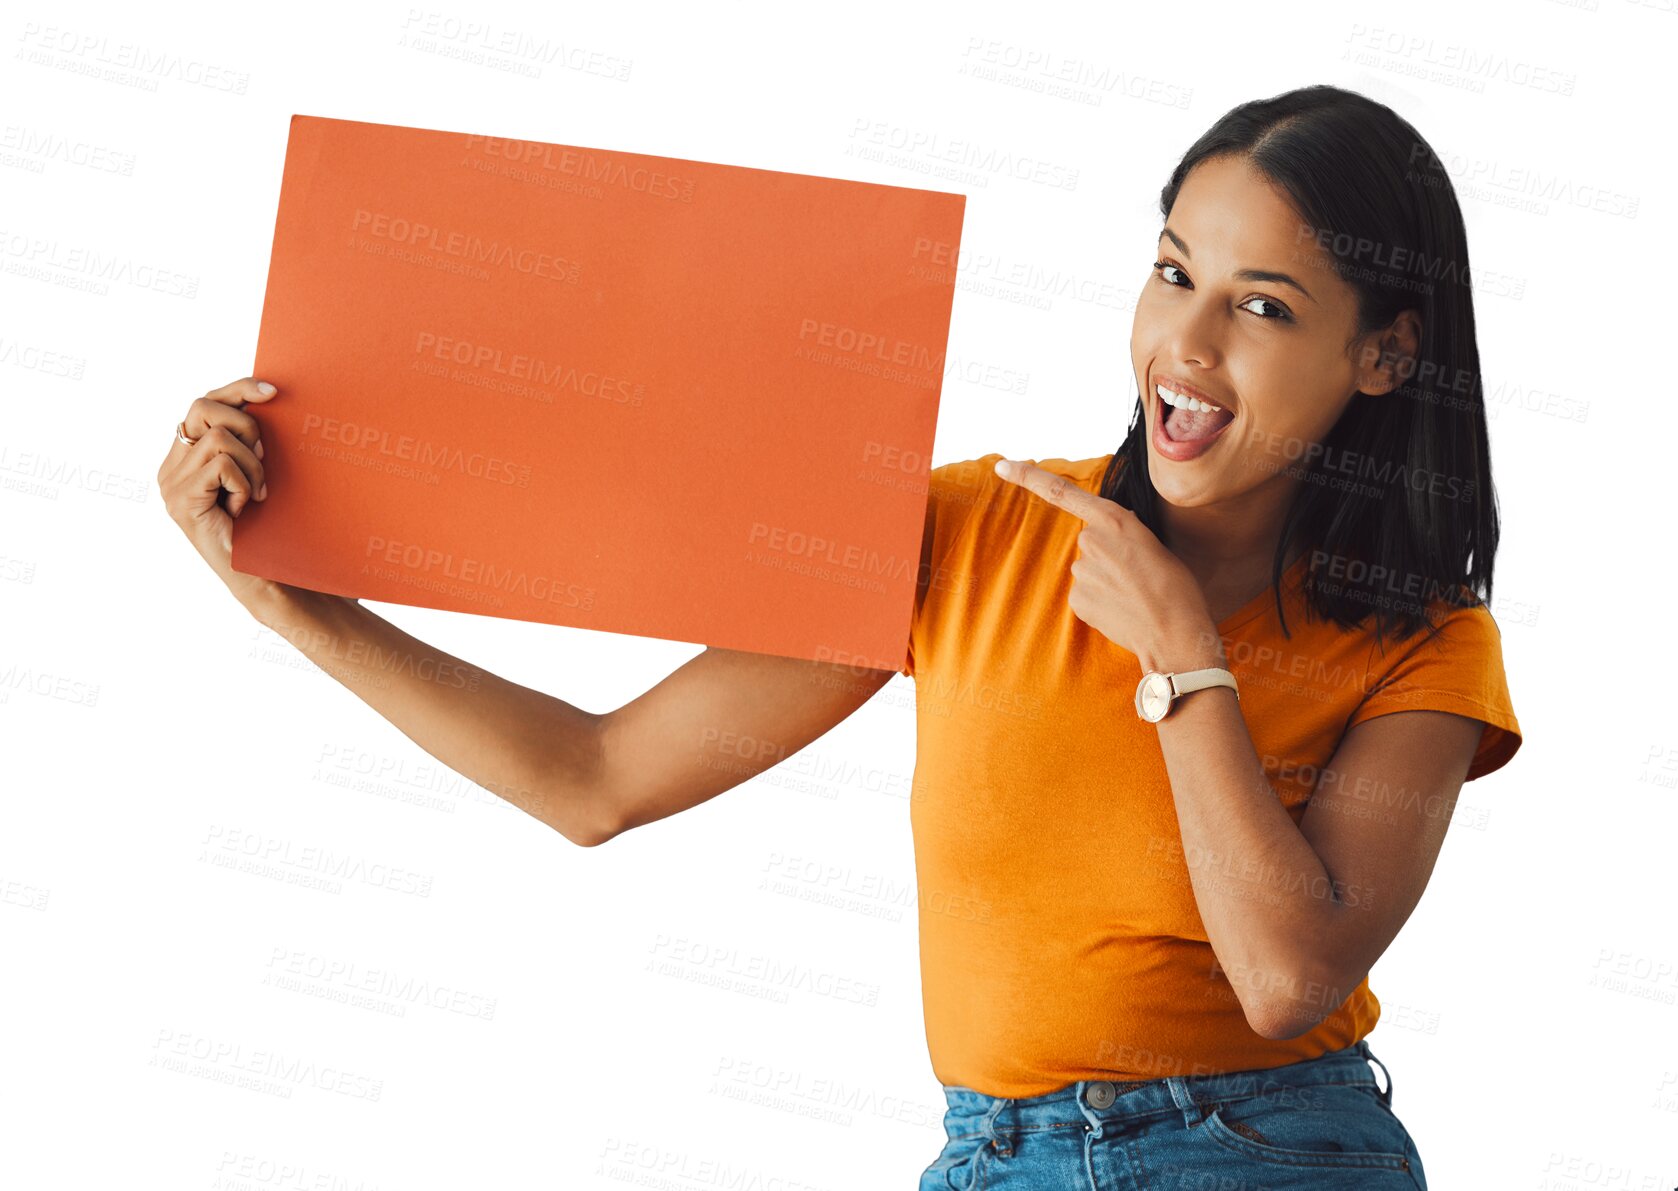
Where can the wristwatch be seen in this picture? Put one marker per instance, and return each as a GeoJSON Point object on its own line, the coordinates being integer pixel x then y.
{"type": "Point", "coordinates": [1156, 692]}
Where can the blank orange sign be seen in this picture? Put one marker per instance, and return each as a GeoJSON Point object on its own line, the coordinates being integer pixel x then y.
{"type": "Point", "coordinates": [584, 387]}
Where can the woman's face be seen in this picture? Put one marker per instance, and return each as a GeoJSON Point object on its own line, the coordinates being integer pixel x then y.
{"type": "Point", "coordinates": [1273, 354]}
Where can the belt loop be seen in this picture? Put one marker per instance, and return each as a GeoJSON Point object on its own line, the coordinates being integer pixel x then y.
{"type": "Point", "coordinates": [1183, 1098]}
{"type": "Point", "coordinates": [1387, 1094]}
{"type": "Point", "coordinates": [1092, 1116]}
{"type": "Point", "coordinates": [999, 1139]}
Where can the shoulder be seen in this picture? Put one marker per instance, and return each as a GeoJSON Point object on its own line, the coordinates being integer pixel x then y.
{"type": "Point", "coordinates": [973, 483]}
{"type": "Point", "coordinates": [1452, 630]}
{"type": "Point", "coordinates": [964, 483]}
{"type": "Point", "coordinates": [1456, 666]}
{"type": "Point", "coordinates": [1086, 473]}
{"type": "Point", "coordinates": [967, 501]}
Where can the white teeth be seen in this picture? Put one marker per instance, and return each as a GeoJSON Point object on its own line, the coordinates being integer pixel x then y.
{"type": "Point", "coordinates": [1177, 399]}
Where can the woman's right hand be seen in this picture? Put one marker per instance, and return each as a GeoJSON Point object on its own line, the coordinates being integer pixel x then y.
{"type": "Point", "coordinates": [226, 459]}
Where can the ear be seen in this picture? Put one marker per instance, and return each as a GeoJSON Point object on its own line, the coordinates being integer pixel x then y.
{"type": "Point", "coordinates": [1386, 357]}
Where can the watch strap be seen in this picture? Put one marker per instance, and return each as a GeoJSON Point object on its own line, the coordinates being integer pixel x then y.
{"type": "Point", "coordinates": [1198, 680]}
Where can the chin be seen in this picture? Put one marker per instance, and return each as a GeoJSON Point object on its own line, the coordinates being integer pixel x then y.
{"type": "Point", "coordinates": [1184, 495]}
{"type": "Point", "coordinates": [1201, 481]}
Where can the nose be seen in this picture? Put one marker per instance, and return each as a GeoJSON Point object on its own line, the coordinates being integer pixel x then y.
{"type": "Point", "coordinates": [1194, 336]}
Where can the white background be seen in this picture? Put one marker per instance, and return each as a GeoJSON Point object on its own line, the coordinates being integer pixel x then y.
{"type": "Point", "coordinates": [1532, 1000]}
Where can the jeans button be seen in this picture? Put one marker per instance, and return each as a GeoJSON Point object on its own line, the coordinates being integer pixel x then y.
{"type": "Point", "coordinates": [1099, 1094]}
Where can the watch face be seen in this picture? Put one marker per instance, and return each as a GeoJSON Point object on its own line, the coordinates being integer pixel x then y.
{"type": "Point", "coordinates": [1153, 697]}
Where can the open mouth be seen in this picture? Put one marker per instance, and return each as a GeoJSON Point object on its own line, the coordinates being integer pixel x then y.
{"type": "Point", "coordinates": [1185, 425]}
{"type": "Point", "coordinates": [1188, 422]}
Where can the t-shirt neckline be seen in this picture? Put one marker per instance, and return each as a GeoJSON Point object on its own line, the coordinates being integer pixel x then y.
{"type": "Point", "coordinates": [1255, 606]}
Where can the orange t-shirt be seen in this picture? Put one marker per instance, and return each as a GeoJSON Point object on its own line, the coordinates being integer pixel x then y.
{"type": "Point", "coordinates": [1059, 935]}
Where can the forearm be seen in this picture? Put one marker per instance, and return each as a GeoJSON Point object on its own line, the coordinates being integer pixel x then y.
{"type": "Point", "coordinates": [535, 751]}
{"type": "Point", "coordinates": [1267, 901]}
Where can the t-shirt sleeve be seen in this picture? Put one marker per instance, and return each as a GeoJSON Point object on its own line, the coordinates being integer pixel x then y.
{"type": "Point", "coordinates": [1459, 670]}
{"type": "Point", "coordinates": [954, 492]}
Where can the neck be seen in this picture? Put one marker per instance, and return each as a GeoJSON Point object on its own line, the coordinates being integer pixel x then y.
{"type": "Point", "coordinates": [1229, 546]}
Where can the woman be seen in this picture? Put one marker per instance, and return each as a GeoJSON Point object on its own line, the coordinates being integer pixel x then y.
{"type": "Point", "coordinates": [1147, 911]}
{"type": "Point", "coordinates": [1168, 981]}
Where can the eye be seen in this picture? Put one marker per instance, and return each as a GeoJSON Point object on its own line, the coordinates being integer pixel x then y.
{"type": "Point", "coordinates": [1282, 314]}
{"type": "Point", "coordinates": [1161, 266]}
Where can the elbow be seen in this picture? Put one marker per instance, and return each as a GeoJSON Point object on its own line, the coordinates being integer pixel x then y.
{"type": "Point", "coordinates": [1293, 1005]}
{"type": "Point", "coordinates": [584, 839]}
{"type": "Point", "coordinates": [1279, 1021]}
{"type": "Point", "coordinates": [591, 833]}
{"type": "Point", "coordinates": [586, 808]}
{"type": "Point", "coordinates": [588, 823]}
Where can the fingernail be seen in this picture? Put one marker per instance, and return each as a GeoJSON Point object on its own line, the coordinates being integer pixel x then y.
{"type": "Point", "coordinates": [259, 450]}
{"type": "Point", "coordinates": [266, 389]}
{"type": "Point", "coordinates": [262, 492]}
{"type": "Point", "coordinates": [1002, 466]}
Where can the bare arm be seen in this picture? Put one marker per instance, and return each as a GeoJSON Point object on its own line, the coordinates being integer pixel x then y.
{"type": "Point", "coordinates": [725, 717]}
{"type": "Point", "coordinates": [720, 719]}
{"type": "Point", "coordinates": [716, 721]}
{"type": "Point", "coordinates": [539, 753]}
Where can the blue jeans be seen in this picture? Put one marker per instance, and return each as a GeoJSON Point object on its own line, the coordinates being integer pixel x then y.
{"type": "Point", "coordinates": [1322, 1122]}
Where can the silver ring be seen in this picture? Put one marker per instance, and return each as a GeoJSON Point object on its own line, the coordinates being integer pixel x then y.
{"type": "Point", "coordinates": [180, 434]}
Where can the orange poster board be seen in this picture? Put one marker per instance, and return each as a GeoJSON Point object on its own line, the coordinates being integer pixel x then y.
{"type": "Point", "coordinates": [585, 387]}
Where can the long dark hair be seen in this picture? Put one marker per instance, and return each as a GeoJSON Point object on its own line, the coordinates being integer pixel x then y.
{"type": "Point", "coordinates": [1379, 208]}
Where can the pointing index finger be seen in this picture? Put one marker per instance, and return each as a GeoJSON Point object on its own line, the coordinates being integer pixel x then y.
{"type": "Point", "coordinates": [1057, 490]}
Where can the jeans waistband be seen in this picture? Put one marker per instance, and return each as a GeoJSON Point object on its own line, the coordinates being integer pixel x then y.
{"type": "Point", "coordinates": [1100, 1103]}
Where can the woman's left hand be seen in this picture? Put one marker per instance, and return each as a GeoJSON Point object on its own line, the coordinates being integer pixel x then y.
{"type": "Point", "coordinates": [1125, 584]}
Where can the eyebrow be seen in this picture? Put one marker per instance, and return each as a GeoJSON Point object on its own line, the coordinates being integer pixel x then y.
{"type": "Point", "coordinates": [1241, 274]}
